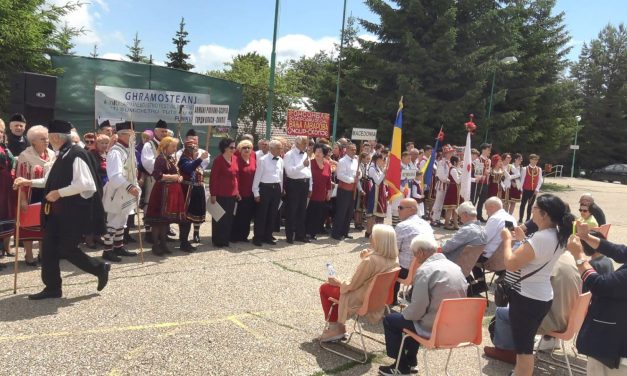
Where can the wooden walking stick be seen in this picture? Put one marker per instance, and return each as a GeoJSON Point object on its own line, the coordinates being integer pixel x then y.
{"type": "Point", "coordinates": [17, 238]}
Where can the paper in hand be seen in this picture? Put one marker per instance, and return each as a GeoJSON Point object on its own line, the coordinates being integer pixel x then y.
{"type": "Point", "coordinates": [215, 210]}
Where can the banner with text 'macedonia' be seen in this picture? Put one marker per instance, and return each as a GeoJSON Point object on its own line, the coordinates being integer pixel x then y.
{"type": "Point", "coordinates": [142, 105]}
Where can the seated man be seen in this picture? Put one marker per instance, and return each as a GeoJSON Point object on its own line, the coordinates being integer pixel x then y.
{"type": "Point", "coordinates": [587, 200]}
{"type": "Point", "coordinates": [436, 279]}
{"type": "Point", "coordinates": [493, 227]}
{"type": "Point", "coordinates": [566, 284]}
{"type": "Point", "coordinates": [471, 233]}
{"type": "Point", "coordinates": [411, 225]}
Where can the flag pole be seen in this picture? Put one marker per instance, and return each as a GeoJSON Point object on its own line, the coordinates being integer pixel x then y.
{"type": "Point", "coordinates": [272, 71]}
{"type": "Point", "coordinates": [339, 71]}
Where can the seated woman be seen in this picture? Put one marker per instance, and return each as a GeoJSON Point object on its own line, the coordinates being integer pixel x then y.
{"type": "Point", "coordinates": [381, 258]}
{"type": "Point", "coordinates": [587, 217]}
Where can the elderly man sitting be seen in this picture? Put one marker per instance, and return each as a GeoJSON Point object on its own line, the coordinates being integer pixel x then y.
{"type": "Point", "coordinates": [411, 225]}
{"type": "Point", "coordinates": [587, 200]}
{"type": "Point", "coordinates": [471, 233]}
{"type": "Point", "coordinates": [436, 279]}
{"type": "Point", "coordinates": [497, 216]}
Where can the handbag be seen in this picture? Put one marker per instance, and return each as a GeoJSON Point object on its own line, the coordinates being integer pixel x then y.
{"type": "Point", "coordinates": [502, 288]}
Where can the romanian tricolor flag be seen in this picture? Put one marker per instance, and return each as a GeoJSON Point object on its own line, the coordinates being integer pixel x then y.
{"type": "Point", "coordinates": [427, 169]}
{"type": "Point", "coordinates": [393, 175]}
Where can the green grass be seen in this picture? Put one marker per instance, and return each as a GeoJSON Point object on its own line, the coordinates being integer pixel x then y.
{"type": "Point", "coordinates": [554, 187]}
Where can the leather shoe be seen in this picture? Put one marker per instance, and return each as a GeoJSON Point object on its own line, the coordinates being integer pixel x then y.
{"type": "Point", "coordinates": [257, 243]}
{"type": "Point", "coordinates": [290, 241]}
{"type": "Point", "coordinates": [170, 239]}
{"type": "Point", "coordinates": [348, 237]}
{"type": "Point", "coordinates": [111, 256]}
{"type": "Point", "coordinates": [187, 247]}
{"type": "Point", "coordinates": [103, 277]}
{"type": "Point", "coordinates": [271, 242]}
{"type": "Point", "coordinates": [303, 240]}
{"type": "Point", "coordinates": [121, 251]}
{"type": "Point", "coordinates": [157, 251]}
{"type": "Point", "coordinates": [45, 294]}
{"type": "Point", "coordinates": [148, 237]}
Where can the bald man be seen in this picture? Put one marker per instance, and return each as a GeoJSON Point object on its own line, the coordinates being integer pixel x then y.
{"type": "Point", "coordinates": [411, 225]}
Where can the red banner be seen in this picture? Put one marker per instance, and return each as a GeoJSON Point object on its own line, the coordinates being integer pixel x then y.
{"type": "Point", "coordinates": [305, 123]}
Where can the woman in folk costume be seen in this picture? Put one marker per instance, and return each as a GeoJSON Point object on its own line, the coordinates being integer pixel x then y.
{"type": "Point", "coordinates": [362, 185]}
{"type": "Point", "coordinates": [377, 198]}
{"type": "Point", "coordinates": [191, 167]}
{"type": "Point", "coordinates": [33, 163]}
{"type": "Point", "coordinates": [7, 203]}
{"type": "Point", "coordinates": [514, 192]}
{"type": "Point", "coordinates": [452, 198]}
{"type": "Point", "coordinates": [497, 178]}
{"type": "Point", "coordinates": [167, 202]}
{"type": "Point", "coordinates": [418, 194]}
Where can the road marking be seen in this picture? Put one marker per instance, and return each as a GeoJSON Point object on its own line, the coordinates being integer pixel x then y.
{"type": "Point", "coordinates": [240, 324]}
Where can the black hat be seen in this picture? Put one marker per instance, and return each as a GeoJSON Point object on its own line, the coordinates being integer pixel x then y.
{"type": "Point", "coordinates": [59, 126]}
{"type": "Point", "coordinates": [191, 133]}
{"type": "Point", "coordinates": [485, 146]}
{"type": "Point", "coordinates": [161, 124]}
{"type": "Point", "coordinates": [123, 126]}
{"type": "Point", "coordinates": [105, 124]}
{"type": "Point", "coordinates": [17, 117]}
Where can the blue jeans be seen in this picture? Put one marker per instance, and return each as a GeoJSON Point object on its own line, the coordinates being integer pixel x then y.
{"type": "Point", "coordinates": [393, 325]}
{"type": "Point", "coordinates": [503, 337]}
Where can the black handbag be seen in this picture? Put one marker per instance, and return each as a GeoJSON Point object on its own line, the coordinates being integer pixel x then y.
{"type": "Point", "coordinates": [502, 288]}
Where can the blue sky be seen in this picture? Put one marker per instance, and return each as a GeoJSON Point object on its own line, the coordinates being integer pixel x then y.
{"type": "Point", "coordinates": [218, 30]}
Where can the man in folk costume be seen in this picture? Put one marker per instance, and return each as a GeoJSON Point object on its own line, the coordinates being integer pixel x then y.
{"type": "Point", "coordinates": [121, 192]}
{"type": "Point", "coordinates": [192, 163]}
{"type": "Point", "coordinates": [441, 185]}
{"type": "Point", "coordinates": [148, 156]}
{"type": "Point", "coordinates": [72, 207]}
{"type": "Point", "coordinates": [531, 182]}
{"type": "Point", "coordinates": [482, 167]}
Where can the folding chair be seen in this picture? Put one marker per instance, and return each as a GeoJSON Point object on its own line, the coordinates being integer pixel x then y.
{"type": "Point", "coordinates": [457, 324]}
{"type": "Point", "coordinates": [377, 297]}
{"type": "Point", "coordinates": [407, 282]}
{"type": "Point", "coordinates": [575, 320]}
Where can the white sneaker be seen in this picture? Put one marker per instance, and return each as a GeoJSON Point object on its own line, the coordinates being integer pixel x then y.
{"type": "Point", "coordinates": [548, 343]}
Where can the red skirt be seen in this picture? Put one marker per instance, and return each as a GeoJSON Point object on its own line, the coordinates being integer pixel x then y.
{"type": "Point", "coordinates": [514, 194]}
{"type": "Point", "coordinates": [167, 203]}
{"type": "Point", "coordinates": [494, 189]}
{"type": "Point", "coordinates": [452, 198]}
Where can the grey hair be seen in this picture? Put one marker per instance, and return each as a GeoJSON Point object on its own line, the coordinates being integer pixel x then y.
{"type": "Point", "coordinates": [494, 201]}
{"type": "Point", "coordinates": [467, 208]}
{"type": "Point", "coordinates": [275, 143]}
{"type": "Point", "coordinates": [300, 139]}
{"type": "Point", "coordinates": [424, 243]}
{"type": "Point", "coordinates": [34, 131]}
{"type": "Point", "coordinates": [66, 137]}
{"type": "Point", "coordinates": [587, 195]}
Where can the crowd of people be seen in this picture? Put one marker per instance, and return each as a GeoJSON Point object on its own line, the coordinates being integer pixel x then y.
{"type": "Point", "coordinates": [92, 190]}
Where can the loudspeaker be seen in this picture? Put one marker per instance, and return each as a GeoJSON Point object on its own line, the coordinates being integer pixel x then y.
{"type": "Point", "coordinates": [34, 95]}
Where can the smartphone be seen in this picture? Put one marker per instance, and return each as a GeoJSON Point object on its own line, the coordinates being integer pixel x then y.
{"type": "Point", "coordinates": [509, 225]}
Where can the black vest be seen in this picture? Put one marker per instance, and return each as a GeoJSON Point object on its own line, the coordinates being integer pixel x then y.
{"type": "Point", "coordinates": [81, 216]}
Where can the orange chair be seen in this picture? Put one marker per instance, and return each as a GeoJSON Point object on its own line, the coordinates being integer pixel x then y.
{"type": "Point", "coordinates": [457, 324]}
{"type": "Point", "coordinates": [575, 320]}
{"type": "Point", "coordinates": [603, 229]}
{"type": "Point", "coordinates": [377, 297]}
{"type": "Point", "coordinates": [407, 282]}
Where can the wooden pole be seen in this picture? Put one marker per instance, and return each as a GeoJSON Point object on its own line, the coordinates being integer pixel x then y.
{"type": "Point", "coordinates": [208, 139]}
{"type": "Point", "coordinates": [135, 179]}
{"type": "Point", "coordinates": [17, 238]}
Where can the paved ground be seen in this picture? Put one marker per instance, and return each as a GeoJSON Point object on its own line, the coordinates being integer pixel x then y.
{"type": "Point", "coordinates": [239, 311]}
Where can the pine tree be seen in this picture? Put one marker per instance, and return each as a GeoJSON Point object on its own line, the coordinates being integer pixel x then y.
{"type": "Point", "coordinates": [178, 59]}
{"type": "Point", "coordinates": [135, 51]}
{"type": "Point", "coordinates": [94, 53]}
{"type": "Point", "coordinates": [64, 37]}
{"type": "Point", "coordinates": [601, 75]}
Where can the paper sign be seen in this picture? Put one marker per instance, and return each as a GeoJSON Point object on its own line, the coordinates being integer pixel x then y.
{"type": "Point", "coordinates": [408, 174]}
{"type": "Point", "coordinates": [211, 114]}
{"type": "Point", "coordinates": [215, 210]}
{"type": "Point", "coordinates": [364, 134]}
{"type": "Point", "coordinates": [306, 123]}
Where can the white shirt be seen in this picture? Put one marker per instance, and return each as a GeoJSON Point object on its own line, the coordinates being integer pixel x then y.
{"type": "Point", "coordinates": [269, 170]}
{"type": "Point", "coordinates": [205, 162]}
{"type": "Point", "coordinates": [82, 181]}
{"type": "Point", "coordinates": [406, 231]}
{"type": "Point", "coordinates": [376, 175]}
{"type": "Point", "coordinates": [347, 169]}
{"type": "Point", "coordinates": [115, 167]}
{"type": "Point", "coordinates": [515, 174]}
{"type": "Point", "coordinates": [294, 165]}
{"type": "Point", "coordinates": [149, 156]}
{"type": "Point", "coordinates": [493, 228]}
{"type": "Point", "coordinates": [259, 153]}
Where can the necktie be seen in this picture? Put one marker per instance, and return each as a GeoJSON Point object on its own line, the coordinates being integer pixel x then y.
{"type": "Point", "coordinates": [275, 158]}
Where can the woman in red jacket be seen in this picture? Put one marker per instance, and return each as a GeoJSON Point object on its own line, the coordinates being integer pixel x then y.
{"type": "Point", "coordinates": [224, 191]}
{"type": "Point", "coordinates": [318, 208]}
{"type": "Point", "coordinates": [246, 167]}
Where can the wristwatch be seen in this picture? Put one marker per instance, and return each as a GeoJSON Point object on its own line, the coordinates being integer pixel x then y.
{"type": "Point", "coordinates": [580, 262]}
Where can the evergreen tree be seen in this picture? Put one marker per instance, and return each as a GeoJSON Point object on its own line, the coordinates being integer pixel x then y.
{"type": "Point", "coordinates": [601, 75]}
{"type": "Point", "coordinates": [135, 51]}
{"type": "Point", "coordinates": [178, 59]}
{"type": "Point", "coordinates": [94, 53]}
{"type": "Point", "coordinates": [64, 37]}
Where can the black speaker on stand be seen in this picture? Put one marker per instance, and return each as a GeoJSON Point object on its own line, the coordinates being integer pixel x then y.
{"type": "Point", "coordinates": [34, 95]}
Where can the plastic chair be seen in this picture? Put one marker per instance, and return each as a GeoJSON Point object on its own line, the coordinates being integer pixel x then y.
{"type": "Point", "coordinates": [377, 297]}
{"type": "Point", "coordinates": [603, 229]}
{"type": "Point", "coordinates": [468, 258]}
{"type": "Point", "coordinates": [457, 324]}
{"type": "Point", "coordinates": [407, 282]}
{"type": "Point", "coordinates": [575, 320]}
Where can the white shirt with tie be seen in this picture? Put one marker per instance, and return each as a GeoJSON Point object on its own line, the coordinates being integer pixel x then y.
{"type": "Point", "coordinates": [269, 171]}
{"type": "Point", "coordinates": [294, 162]}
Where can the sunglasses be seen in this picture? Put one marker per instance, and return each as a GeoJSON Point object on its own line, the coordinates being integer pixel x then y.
{"type": "Point", "coordinates": [583, 210]}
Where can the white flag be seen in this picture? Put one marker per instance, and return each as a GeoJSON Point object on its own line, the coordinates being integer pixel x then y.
{"type": "Point", "coordinates": [466, 175]}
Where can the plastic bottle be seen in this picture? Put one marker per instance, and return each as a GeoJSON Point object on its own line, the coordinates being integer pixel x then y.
{"type": "Point", "coordinates": [331, 270]}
